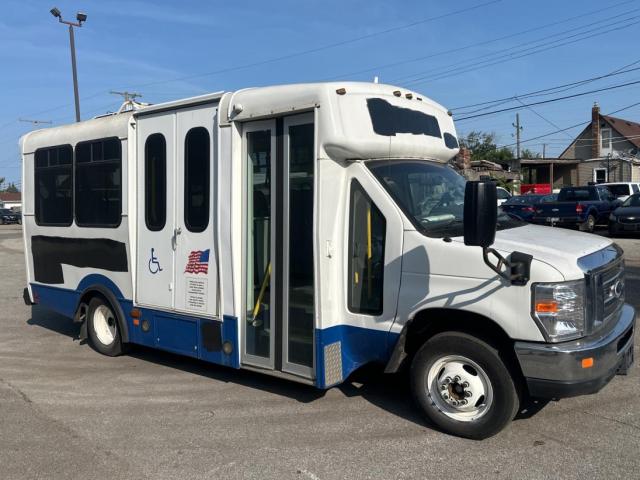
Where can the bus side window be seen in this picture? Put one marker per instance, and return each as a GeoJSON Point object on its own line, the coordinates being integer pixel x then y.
{"type": "Point", "coordinates": [54, 186]}
{"type": "Point", "coordinates": [98, 189]}
{"type": "Point", "coordinates": [155, 182]}
{"type": "Point", "coordinates": [196, 179]}
{"type": "Point", "coordinates": [367, 233]}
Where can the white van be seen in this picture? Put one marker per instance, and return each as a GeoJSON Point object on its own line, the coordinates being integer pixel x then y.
{"type": "Point", "coordinates": [307, 230]}
{"type": "Point", "coordinates": [622, 190]}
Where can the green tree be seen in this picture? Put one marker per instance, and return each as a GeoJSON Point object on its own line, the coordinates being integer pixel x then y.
{"type": "Point", "coordinates": [526, 153]}
{"type": "Point", "coordinates": [12, 188]}
{"type": "Point", "coordinates": [482, 146]}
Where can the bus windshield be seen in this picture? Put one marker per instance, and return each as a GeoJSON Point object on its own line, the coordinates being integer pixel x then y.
{"type": "Point", "coordinates": [431, 195]}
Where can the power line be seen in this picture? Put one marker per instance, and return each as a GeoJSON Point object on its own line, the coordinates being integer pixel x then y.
{"type": "Point", "coordinates": [539, 114]}
{"type": "Point", "coordinates": [549, 90]}
{"type": "Point", "coordinates": [472, 45]}
{"type": "Point", "coordinates": [581, 124]}
{"type": "Point", "coordinates": [525, 46]}
{"type": "Point", "coordinates": [323, 47]}
{"type": "Point", "coordinates": [551, 100]}
{"type": "Point", "coordinates": [458, 70]}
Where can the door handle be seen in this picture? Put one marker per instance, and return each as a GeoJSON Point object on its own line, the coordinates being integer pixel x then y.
{"type": "Point", "coordinates": [174, 238]}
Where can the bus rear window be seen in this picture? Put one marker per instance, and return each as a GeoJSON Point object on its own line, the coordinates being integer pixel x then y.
{"type": "Point", "coordinates": [53, 187]}
{"type": "Point", "coordinates": [389, 120]}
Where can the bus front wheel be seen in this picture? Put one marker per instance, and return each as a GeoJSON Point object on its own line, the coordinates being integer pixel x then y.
{"type": "Point", "coordinates": [102, 327]}
{"type": "Point", "coordinates": [463, 386]}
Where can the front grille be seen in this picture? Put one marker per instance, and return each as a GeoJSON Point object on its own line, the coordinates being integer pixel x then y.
{"type": "Point", "coordinates": [608, 290]}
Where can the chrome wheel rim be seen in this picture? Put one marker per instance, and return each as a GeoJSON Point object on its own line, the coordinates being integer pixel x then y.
{"type": "Point", "coordinates": [459, 388]}
{"type": "Point", "coordinates": [104, 325]}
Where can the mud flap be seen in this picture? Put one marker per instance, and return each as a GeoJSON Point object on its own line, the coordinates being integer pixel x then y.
{"type": "Point", "coordinates": [81, 317]}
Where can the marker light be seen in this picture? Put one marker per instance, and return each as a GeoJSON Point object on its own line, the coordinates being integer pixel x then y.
{"type": "Point", "coordinates": [587, 362]}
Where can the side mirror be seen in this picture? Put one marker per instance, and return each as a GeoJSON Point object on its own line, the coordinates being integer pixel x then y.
{"type": "Point", "coordinates": [480, 213]}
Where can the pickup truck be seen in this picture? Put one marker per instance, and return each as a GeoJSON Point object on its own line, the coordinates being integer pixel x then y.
{"type": "Point", "coordinates": [582, 207]}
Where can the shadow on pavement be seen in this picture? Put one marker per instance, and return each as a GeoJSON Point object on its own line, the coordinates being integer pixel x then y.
{"type": "Point", "coordinates": [389, 392]}
{"type": "Point", "coordinates": [55, 322]}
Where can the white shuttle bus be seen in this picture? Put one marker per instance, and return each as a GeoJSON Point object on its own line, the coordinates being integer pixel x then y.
{"type": "Point", "coordinates": [307, 230]}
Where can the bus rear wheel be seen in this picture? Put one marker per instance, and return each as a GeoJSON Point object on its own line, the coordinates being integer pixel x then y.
{"type": "Point", "coordinates": [103, 328]}
{"type": "Point", "coordinates": [463, 386]}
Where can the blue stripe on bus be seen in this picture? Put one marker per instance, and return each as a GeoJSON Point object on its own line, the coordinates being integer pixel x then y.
{"type": "Point", "coordinates": [358, 345]}
{"type": "Point", "coordinates": [182, 334]}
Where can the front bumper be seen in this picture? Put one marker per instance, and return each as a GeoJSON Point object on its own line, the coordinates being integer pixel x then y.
{"type": "Point", "coordinates": [556, 371]}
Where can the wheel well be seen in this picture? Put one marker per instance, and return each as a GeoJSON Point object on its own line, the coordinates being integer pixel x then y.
{"type": "Point", "coordinates": [99, 291]}
{"type": "Point", "coordinates": [430, 322]}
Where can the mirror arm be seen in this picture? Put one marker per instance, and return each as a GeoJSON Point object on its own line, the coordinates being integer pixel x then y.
{"type": "Point", "coordinates": [516, 270]}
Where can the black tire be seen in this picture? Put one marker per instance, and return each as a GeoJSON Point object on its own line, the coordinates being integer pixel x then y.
{"type": "Point", "coordinates": [589, 225]}
{"type": "Point", "coordinates": [505, 392]}
{"type": "Point", "coordinates": [100, 307]}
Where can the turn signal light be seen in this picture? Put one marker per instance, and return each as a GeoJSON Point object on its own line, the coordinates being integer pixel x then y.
{"type": "Point", "coordinates": [547, 307]}
{"type": "Point", "coordinates": [587, 362]}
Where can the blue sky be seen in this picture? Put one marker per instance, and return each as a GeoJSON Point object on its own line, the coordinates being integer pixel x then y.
{"type": "Point", "coordinates": [167, 50]}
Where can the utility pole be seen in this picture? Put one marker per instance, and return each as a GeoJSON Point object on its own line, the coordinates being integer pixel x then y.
{"type": "Point", "coordinates": [544, 151]}
{"type": "Point", "coordinates": [518, 128]}
{"type": "Point", "coordinates": [81, 17]}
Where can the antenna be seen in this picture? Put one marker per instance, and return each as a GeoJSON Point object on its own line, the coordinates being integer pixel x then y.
{"type": "Point", "coordinates": [130, 102]}
{"type": "Point", "coordinates": [35, 122]}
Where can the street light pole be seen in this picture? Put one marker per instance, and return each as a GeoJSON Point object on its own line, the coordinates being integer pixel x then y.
{"type": "Point", "coordinates": [81, 17]}
{"type": "Point", "coordinates": [72, 43]}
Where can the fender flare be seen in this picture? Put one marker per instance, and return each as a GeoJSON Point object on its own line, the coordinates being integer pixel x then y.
{"type": "Point", "coordinates": [111, 298]}
{"type": "Point", "coordinates": [482, 326]}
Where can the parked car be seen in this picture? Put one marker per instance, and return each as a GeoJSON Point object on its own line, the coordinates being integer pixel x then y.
{"type": "Point", "coordinates": [582, 207]}
{"type": "Point", "coordinates": [503, 195]}
{"type": "Point", "coordinates": [9, 216]}
{"type": "Point", "coordinates": [626, 218]}
{"type": "Point", "coordinates": [622, 190]}
{"type": "Point", "coordinates": [523, 207]}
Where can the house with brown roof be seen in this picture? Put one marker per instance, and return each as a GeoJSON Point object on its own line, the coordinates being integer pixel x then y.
{"type": "Point", "coordinates": [11, 200]}
{"type": "Point", "coordinates": [607, 150]}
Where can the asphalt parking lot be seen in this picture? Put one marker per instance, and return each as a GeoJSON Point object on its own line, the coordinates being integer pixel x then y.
{"type": "Point", "coordinates": [69, 412]}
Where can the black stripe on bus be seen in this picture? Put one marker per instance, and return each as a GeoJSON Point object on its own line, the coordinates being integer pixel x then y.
{"type": "Point", "coordinates": [50, 253]}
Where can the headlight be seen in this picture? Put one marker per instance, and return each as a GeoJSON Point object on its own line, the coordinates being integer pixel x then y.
{"type": "Point", "coordinates": [560, 309]}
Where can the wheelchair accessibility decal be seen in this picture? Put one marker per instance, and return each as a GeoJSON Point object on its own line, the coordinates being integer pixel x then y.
{"type": "Point", "coordinates": [154, 264]}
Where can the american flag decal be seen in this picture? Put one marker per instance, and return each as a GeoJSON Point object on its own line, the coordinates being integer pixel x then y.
{"type": "Point", "coordinates": [198, 262]}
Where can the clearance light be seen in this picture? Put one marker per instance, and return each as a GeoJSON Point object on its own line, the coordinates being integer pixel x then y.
{"type": "Point", "coordinates": [587, 362]}
{"type": "Point", "coordinates": [136, 313]}
{"type": "Point", "coordinates": [341, 91]}
{"type": "Point", "coordinates": [397, 93]}
{"type": "Point", "coordinates": [409, 96]}
{"type": "Point", "coordinates": [547, 307]}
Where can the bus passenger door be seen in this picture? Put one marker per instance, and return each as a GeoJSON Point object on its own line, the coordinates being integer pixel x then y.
{"type": "Point", "coordinates": [278, 327]}
{"type": "Point", "coordinates": [196, 269]}
{"type": "Point", "coordinates": [155, 190]}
